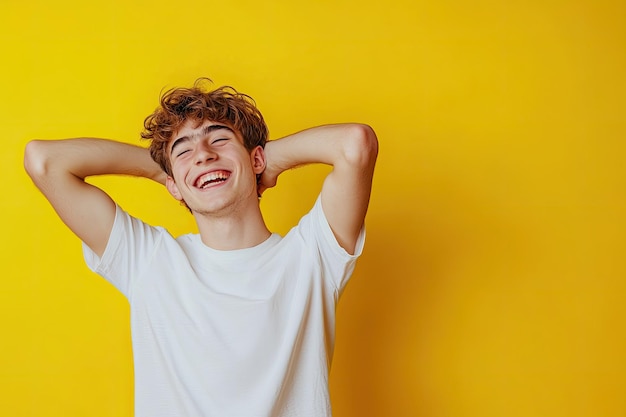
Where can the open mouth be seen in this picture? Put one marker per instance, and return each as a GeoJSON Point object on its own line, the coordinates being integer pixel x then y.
{"type": "Point", "coordinates": [212, 178]}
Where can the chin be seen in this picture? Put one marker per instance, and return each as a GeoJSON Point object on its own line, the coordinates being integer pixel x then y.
{"type": "Point", "coordinates": [214, 209]}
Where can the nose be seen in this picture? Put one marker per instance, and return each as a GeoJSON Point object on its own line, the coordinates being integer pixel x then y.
{"type": "Point", "coordinates": [204, 154]}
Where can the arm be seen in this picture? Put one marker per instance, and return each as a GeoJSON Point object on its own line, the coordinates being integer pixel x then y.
{"type": "Point", "coordinates": [351, 149]}
{"type": "Point", "coordinates": [59, 168]}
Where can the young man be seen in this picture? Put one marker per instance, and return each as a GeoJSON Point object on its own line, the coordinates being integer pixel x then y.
{"type": "Point", "coordinates": [235, 320]}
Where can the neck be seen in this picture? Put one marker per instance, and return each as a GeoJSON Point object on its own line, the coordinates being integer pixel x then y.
{"type": "Point", "coordinates": [235, 230]}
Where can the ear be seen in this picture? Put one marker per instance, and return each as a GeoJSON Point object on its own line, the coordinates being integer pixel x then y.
{"type": "Point", "coordinates": [171, 186]}
{"type": "Point", "coordinates": [257, 157]}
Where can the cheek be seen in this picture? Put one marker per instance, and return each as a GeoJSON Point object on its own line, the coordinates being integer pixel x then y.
{"type": "Point", "coordinates": [178, 171]}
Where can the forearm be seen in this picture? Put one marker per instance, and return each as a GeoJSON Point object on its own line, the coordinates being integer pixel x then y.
{"type": "Point", "coordinates": [343, 144]}
{"type": "Point", "coordinates": [85, 157]}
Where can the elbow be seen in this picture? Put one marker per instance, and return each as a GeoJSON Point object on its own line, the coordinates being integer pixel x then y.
{"type": "Point", "coordinates": [35, 160]}
{"type": "Point", "coordinates": [361, 146]}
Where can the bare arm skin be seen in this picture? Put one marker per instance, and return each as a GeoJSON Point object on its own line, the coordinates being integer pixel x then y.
{"type": "Point", "coordinates": [352, 150]}
{"type": "Point", "coordinates": [59, 168]}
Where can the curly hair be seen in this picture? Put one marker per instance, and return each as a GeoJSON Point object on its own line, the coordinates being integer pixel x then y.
{"type": "Point", "coordinates": [222, 105]}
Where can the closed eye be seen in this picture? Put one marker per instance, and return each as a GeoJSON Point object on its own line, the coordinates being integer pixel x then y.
{"type": "Point", "coordinates": [219, 140]}
{"type": "Point", "coordinates": [182, 152]}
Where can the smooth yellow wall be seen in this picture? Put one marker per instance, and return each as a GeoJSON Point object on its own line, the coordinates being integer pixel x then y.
{"type": "Point", "coordinates": [492, 284]}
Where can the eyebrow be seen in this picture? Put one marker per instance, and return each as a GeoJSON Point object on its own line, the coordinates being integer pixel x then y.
{"type": "Point", "coordinates": [205, 132]}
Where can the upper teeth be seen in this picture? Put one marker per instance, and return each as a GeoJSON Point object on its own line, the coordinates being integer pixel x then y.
{"type": "Point", "coordinates": [211, 176]}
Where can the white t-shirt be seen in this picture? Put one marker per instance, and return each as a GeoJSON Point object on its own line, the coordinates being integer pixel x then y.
{"type": "Point", "coordinates": [240, 333]}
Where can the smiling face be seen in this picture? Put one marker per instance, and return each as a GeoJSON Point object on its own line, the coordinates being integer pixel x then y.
{"type": "Point", "coordinates": [212, 171]}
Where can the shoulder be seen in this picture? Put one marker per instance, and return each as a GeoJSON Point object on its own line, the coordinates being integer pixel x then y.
{"type": "Point", "coordinates": [315, 230]}
{"type": "Point", "coordinates": [132, 237]}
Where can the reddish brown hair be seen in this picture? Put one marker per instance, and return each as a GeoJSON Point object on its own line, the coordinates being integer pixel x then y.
{"type": "Point", "coordinates": [222, 105]}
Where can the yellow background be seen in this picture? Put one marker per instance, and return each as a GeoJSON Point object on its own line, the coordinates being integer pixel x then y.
{"type": "Point", "coordinates": [493, 281]}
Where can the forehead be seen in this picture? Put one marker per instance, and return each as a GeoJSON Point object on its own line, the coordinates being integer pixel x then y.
{"type": "Point", "coordinates": [193, 127]}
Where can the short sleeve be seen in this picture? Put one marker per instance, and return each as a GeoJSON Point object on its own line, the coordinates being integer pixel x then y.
{"type": "Point", "coordinates": [130, 248]}
{"type": "Point", "coordinates": [337, 263]}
